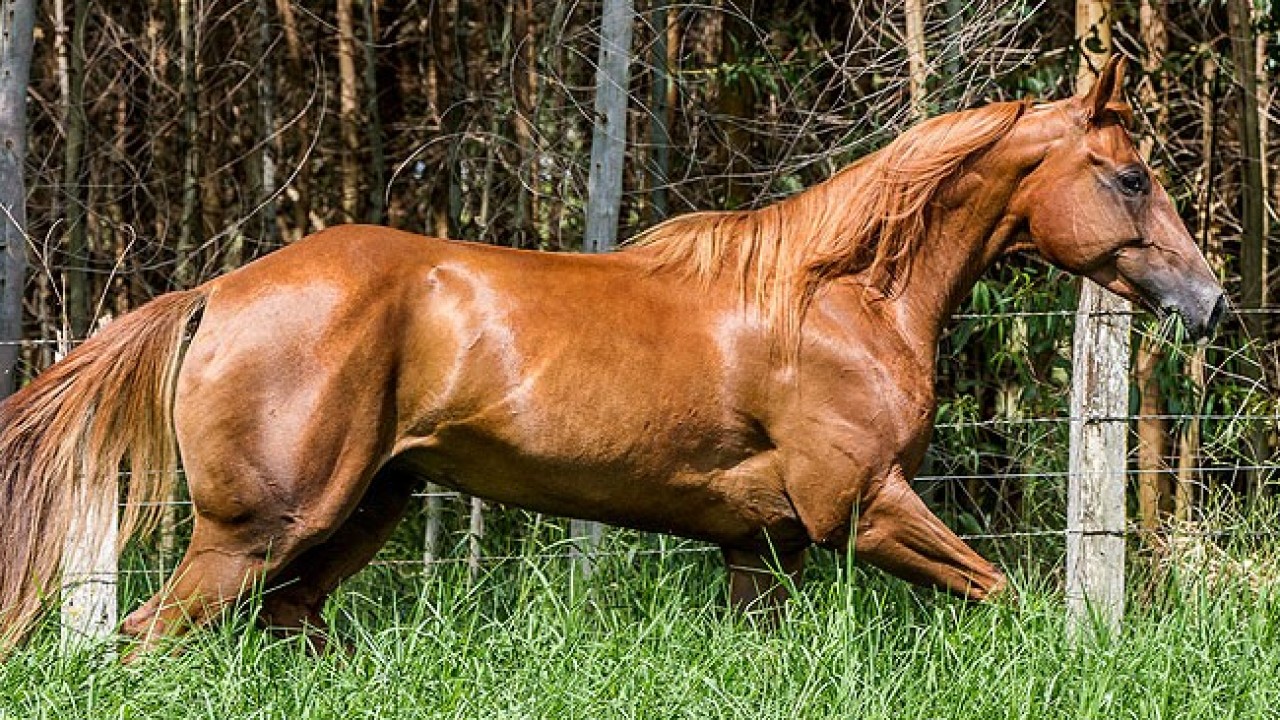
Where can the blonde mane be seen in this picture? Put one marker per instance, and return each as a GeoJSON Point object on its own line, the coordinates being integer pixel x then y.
{"type": "Point", "coordinates": [870, 217]}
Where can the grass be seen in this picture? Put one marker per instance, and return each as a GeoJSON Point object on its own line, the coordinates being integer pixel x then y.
{"type": "Point", "coordinates": [646, 638]}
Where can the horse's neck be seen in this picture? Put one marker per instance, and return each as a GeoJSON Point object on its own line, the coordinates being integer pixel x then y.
{"type": "Point", "coordinates": [969, 229]}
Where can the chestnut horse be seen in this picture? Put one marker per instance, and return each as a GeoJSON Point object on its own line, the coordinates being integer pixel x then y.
{"type": "Point", "coordinates": [763, 380]}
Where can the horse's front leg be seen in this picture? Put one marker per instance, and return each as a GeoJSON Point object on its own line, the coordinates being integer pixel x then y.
{"type": "Point", "coordinates": [894, 531]}
{"type": "Point", "coordinates": [875, 509]}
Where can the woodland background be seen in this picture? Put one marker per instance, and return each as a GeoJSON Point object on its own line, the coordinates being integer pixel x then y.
{"type": "Point", "coordinates": [173, 141]}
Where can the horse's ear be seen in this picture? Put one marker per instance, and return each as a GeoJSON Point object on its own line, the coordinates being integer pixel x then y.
{"type": "Point", "coordinates": [1107, 90]}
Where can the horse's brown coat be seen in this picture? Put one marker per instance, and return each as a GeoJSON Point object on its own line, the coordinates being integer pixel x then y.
{"type": "Point", "coordinates": [761, 381]}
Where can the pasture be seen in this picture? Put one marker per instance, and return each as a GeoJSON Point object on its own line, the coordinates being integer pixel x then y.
{"type": "Point", "coordinates": [1085, 446]}
{"type": "Point", "coordinates": [649, 638]}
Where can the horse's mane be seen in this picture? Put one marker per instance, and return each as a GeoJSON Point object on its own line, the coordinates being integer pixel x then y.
{"type": "Point", "coordinates": [870, 216]}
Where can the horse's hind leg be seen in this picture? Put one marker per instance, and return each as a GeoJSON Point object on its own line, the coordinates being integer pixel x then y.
{"type": "Point", "coordinates": [762, 581]}
{"type": "Point", "coordinates": [246, 529]}
{"type": "Point", "coordinates": [296, 600]}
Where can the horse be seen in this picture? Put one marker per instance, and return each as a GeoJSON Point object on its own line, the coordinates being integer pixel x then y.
{"type": "Point", "coordinates": [762, 379]}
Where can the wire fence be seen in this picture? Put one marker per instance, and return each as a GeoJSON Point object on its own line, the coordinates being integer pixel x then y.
{"type": "Point", "coordinates": [449, 527]}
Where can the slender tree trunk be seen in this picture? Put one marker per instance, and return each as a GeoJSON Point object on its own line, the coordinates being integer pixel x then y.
{"type": "Point", "coordinates": [17, 25]}
{"type": "Point", "coordinates": [189, 224]}
{"type": "Point", "coordinates": [659, 122]}
{"type": "Point", "coordinates": [954, 92]}
{"type": "Point", "coordinates": [492, 150]}
{"type": "Point", "coordinates": [450, 52]}
{"type": "Point", "coordinates": [609, 138]}
{"type": "Point", "coordinates": [916, 59]}
{"type": "Point", "coordinates": [547, 214]}
{"type": "Point", "coordinates": [1189, 445]}
{"type": "Point", "coordinates": [736, 102]}
{"type": "Point", "coordinates": [475, 538]}
{"type": "Point", "coordinates": [522, 88]}
{"type": "Point", "coordinates": [1153, 480]}
{"type": "Point", "coordinates": [431, 553]}
{"type": "Point", "coordinates": [76, 297]}
{"type": "Point", "coordinates": [300, 188]}
{"type": "Point", "coordinates": [437, 221]}
{"type": "Point", "coordinates": [268, 145]}
{"type": "Point", "coordinates": [1264, 145]}
{"type": "Point", "coordinates": [1252, 203]}
{"type": "Point", "coordinates": [1189, 440]}
{"type": "Point", "coordinates": [377, 159]}
{"type": "Point", "coordinates": [348, 112]}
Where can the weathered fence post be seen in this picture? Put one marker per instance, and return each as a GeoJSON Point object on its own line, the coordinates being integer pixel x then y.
{"type": "Point", "coordinates": [90, 564]}
{"type": "Point", "coordinates": [1099, 431]}
{"type": "Point", "coordinates": [604, 182]}
{"type": "Point", "coordinates": [1099, 405]}
{"type": "Point", "coordinates": [89, 568]}
{"type": "Point", "coordinates": [435, 508]}
{"type": "Point", "coordinates": [475, 533]}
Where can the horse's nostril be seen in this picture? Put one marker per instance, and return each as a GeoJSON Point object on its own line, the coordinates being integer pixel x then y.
{"type": "Point", "coordinates": [1219, 309]}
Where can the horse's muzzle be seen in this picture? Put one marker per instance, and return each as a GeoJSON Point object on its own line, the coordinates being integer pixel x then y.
{"type": "Point", "coordinates": [1202, 315]}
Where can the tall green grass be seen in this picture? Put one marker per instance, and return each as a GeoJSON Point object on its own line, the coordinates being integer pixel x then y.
{"type": "Point", "coordinates": [647, 638]}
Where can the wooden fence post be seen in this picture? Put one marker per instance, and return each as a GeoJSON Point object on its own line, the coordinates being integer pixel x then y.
{"type": "Point", "coordinates": [89, 569]}
{"type": "Point", "coordinates": [435, 509]}
{"type": "Point", "coordinates": [1099, 406]}
{"type": "Point", "coordinates": [1096, 478]}
{"type": "Point", "coordinates": [475, 533]}
{"type": "Point", "coordinates": [90, 564]}
{"type": "Point", "coordinates": [604, 182]}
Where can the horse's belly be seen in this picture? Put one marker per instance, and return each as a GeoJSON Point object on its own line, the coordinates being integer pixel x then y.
{"type": "Point", "coordinates": [727, 504]}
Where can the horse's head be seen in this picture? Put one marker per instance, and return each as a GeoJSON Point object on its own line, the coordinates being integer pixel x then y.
{"type": "Point", "coordinates": [1092, 207]}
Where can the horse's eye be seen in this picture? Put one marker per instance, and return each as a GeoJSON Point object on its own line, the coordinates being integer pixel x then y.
{"type": "Point", "coordinates": [1134, 182]}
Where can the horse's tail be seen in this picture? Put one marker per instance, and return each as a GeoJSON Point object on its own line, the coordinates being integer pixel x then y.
{"type": "Point", "coordinates": [64, 437]}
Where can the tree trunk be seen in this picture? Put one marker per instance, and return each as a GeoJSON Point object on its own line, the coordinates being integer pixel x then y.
{"type": "Point", "coordinates": [1153, 481]}
{"type": "Point", "coordinates": [450, 53]}
{"type": "Point", "coordinates": [918, 70]}
{"type": "Point", "coordinates": [300, 187]}
{"type": "Point", "coordinates": [348, 112]}
{"type": "Point", "coordinates": [548, 214]}
{"type": "Point", "coordinates": [378, 158]}
{"type": "Point", "coordinates": [1189, 440]}
{"type": "Point", "coordinates": [17, 26]}
{"type": "Point", "coordinates": [1252, 202]}
{"type": "Point", "coordinates": [659, 122]}
{"type": "Point", "coordinates": [189, 224]}
{"type": "Point", "coordinates": [268, 143]}
{"type": "Point", "coordinates": [609, 138]}
{"type": "Point", "coordinates": [1252, 205]}
{"type": "Point", "coordinates": [1154, 489]}
{"type": "Point", "coordinates": [735, 103]}
{"type": "Point", "coordinates": [522, 88]}
{"type": "Point", "coordinates": [1189, 445]}
{"type": "Point", "coordinates": [484, 220]}
{"type": "Point", "coordinates": [76, 293]}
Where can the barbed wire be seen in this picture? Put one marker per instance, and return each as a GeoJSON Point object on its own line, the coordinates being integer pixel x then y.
{"type": "Point", "coordinates": [574, 552]}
